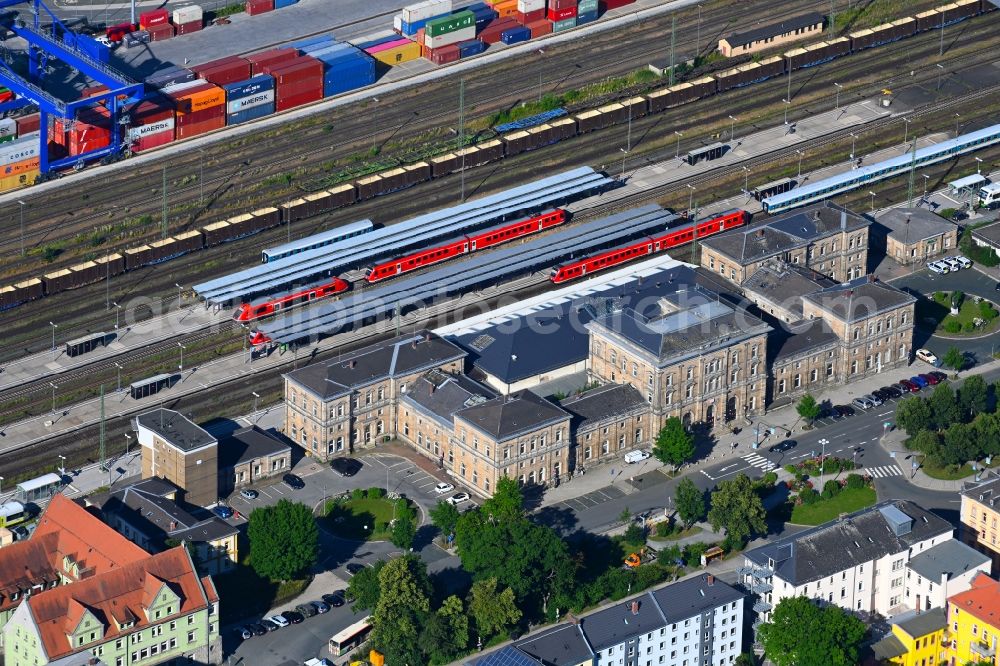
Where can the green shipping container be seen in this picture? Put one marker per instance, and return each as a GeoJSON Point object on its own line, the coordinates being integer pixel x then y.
{"type": "Point", "coordinates": [559, 26]}
{"type": "Point", "coordinates": [444, 25]}
{"type": "Point", "coordinates": [585, 6]}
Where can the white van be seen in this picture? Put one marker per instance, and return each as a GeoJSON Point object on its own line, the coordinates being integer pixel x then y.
{"type": "Point", "coordinates": [636, 456]}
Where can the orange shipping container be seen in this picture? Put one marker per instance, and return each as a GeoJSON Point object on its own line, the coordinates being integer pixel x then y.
{"type": "Point", "coordinates": [17, 168]}
{"type": "Point", "coordinates": [199, 99]}
{"type": "Point", "coordinates": [506, 8]}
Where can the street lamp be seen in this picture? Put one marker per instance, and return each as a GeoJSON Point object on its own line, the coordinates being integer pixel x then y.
{"type": "Point", "coordinates": [54, 327]}
{"type": "Point", "coordinates": [22, 225]}
{"type": "Point", "coordinates": [180, 366]}
{"type": "Point", "coordinates": [854, 142]}
{"type": "Point", "coordinates": [62, 465]}
{"type": "Point", "coordinates": [839, 88]}
{"type": "Point", "coordinates": [940, 73]}
{"type": "Point", "coordinates": [118, 311]}
{"type": "Point", "coordinates": [128, 443]}
{"type": "Point", "coordinates": [979, 165]}
{"type": "Point", "coordinates": [256, 397]}
{"type": "Point", "coordinates": [800, 163]}
{"type": "Point", "coordinates": [624, 155]}
{"type": "Point", "coordinates": [732, 128]}
{"type": "Point", "coordinates": [873, 200]}
{"type": "Point", "coordinates": [179, 289]}
{"type": "Point", "coordinates": [957, 117]}
{"type": "Point", "coordinates": [906, 129]}
{"type": "Point", "coordinates": [926, 178]}
{"type": "Point", "coordinates": [822, 459]}
{"type": "Point", "coordinates": [54, 387]}
{"type": "Point", "coordinates": [119, 369]}
{"type": "Point", "coordinates": [679, 135]}
{"type": "Point", "coordinates": [787, 104]}
{"type": "Point", "coordinates": [746, 180]}
{"type": "Point", "coordinates": [691, 197]}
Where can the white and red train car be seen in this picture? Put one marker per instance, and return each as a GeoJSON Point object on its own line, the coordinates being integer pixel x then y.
{"type": "Point", "coordinates": [275, 304]}
{"type": "Point", "coordinates": [651, 245]}
{"type": "Point", "coordinates": [467, 244]}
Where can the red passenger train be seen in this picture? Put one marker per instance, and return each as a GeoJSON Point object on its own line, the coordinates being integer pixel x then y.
{"type": "Point", "coordinates": [279, 302]}
{"type": "Point", "coordinates": [467, 244]}
{"type": "Point", "coordinates": [651, 245]}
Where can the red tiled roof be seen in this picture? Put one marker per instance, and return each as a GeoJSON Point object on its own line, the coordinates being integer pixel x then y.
{"type": "Point", "coordinates": [209, 585]}
{"type": "Point", "coordinates": [81, 535]}
{"type": "Point", "coordinates": [982, 599]}
{"type": "Point", "coordinates": [26, 563]}
{"type": "Point", "coordinates": [116, 593]}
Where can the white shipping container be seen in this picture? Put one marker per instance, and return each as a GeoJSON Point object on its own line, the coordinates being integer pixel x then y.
{"type": "Point", "coordinates": [253, 101]}
{"type": "Point", "coordinates": [397, 23]}
{"type": "Point", "coordinates": [525, 6]}
{"type": "Point", "coordinates": [187, 14]}
{"type": "Point", "coordinates": [450, 38]}
{"type": "Point", "coordinates": [7, 128]}
{"type": "Point", "coordinates": [425, 10]}
{"type": "Point", "coordinates": [19, 150]}
{"type": "Point", "coordinates": [167, 124]}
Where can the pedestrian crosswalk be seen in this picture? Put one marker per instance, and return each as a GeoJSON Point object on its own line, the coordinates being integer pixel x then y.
{"type": "Point", "coordinates": [759, 461]}
{"type": "Point", "coordinates": [884, 471]}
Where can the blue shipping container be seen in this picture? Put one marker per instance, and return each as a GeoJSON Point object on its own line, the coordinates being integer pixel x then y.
{"type": "Point", "coordinates": [515, 35]}
{"type": "Point", "coordinates": [250, 99]}
{"type": "Point", "coordinates": [586, 17]}
{"type": "Point", "coordinates": [312, 41]}
{"type": "Point", "coordinates": [410, 29]}
{"type": "Point", "coordinates": [330, 50]}
{"type": "Point", "coordinates": [278, 4]}
{"type": "Point", "coordinates": [348, 72]}
{"type": "Point", "coordinates": [471, 47]}
{"type": "Point", "coordinates": [375, 42]}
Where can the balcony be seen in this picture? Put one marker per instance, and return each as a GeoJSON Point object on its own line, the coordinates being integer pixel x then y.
{"type": "Point", "coordinates": [762, 606]}
{"type": "Point", "coordinates": [761, 588]}
{"type": "Point", "coordinates": [984, 650]}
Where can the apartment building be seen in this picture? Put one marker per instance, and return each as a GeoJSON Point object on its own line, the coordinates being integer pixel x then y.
{"type": "Point", "coordinates": [824, 238]}
{"type": "Point", "coordinates": [915, 639]}
{"type": "Point", "coordinates": [772, 35]}
{"type": "Point", "coordinates": [154, 610]}
{"type": "Point", "coordinates": [974, 622]}
{"type": "Point", "coordinates": [980, 514]}
{"type": "Point", "coordinates": [862, 562]}
{"type": "Point", "coordinates": [337, 406]}
{"type": "Point", "coordinates": [695, 622]}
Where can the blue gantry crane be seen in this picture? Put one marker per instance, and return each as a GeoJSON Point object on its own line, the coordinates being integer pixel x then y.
{"type": "Point", "coordinates": [49, 39]}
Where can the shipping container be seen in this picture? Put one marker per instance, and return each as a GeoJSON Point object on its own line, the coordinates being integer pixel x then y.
{"type": "Point", "coordinates": [561, 5]}
{"type": "Point", "coordinates": [410, 29]}
{"type": "Point", "coordinates": [470, 48]}
{"type": "Point", "coordinates": [567, 24]}
{"type": "Point", "coordinates": [153, 18]}
{"type": "Point", "coordinates": [188, 14]}
{"type": "Point", "coordinates": [272, 57]}
{"type": "Point", "coordinates": [8, 183]}
{"type": "Point", "coordinates": [402, 51]}
{"type": "Point", "coordinates": [608, 5]}
{"type": "Point", "coordinates": [347, 71]}
{"type": "Point", "coordinates": [515, 35]}
{"type": "Point", "coordinates": [506, 9]}
{"type": "Point", "coordinates": [312, 41]}
{"type": "Point", "coordinates": [556, 15]}
{"type": "Point", "coordinates": [453, 23]}
{"type": "Point", "coordinates": [279, 4]}
{"type": "Point", "coordinates": [151, 124]}
{"type": "Point", "coordinates": [526, 6]}
{"type": "Point", "coordinates": [290, 71]}
{"type": "Point", "coordinates": [170, 76]}
{"type": "Point", "coordinates": [287, 101]}
{"type": "Point", "coordinates": [224, 70]}
{"type": "Point", "coordinates": [444, 55]}
{"type": "Point", "coordinates": [19, 150]}
{"type": "Point", "coordinates": [587, 6]}
{"type": "Point", "coordinates": [188, 28]}
{"type": "Point", "coordinates": [524, 18]}
{"type": "Point", "coordinates": [539, 28]}
{"type": "Point", "coordinates": [8, 130]}
{"type": "Point", "coordinates": [160, 32]}
{"type": "Point", "coordinates": [425, 10]}
{"type": "Point", "coordinates": [582, 18]}
{"type": "Point", "coordinates": [492, 32]}
{"type": "Point", "coordinates": [484, 14]}
{"type": "Point", "coordinates": [450, 38]}
{"type": "Point", "coordinates": [137, 38]}
{"type": "Point", "coordinates": [255, 7]}
{"type": "Point", "coordinates": [30, 165]}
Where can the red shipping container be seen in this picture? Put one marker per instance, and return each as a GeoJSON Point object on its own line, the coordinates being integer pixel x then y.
{"type": "Point", "coordinates": [258, 60]}
{"type": "Point", "coordinates": [605, 5]}
{"type": "Point", "coordinates": [492, 32]}
{"type": "Point", "coordinates": [299, 87]}
{"type": "Point", "coordinates": [255, 7]}
{"type": "Point", "coordinates": [539, 28]}
{"type": "Point", "coordinates": [153, 18]}
{"type": "Point", "coordinates": [189, 27]}
{"type": "Point", "coordinates": [218, 62]}
{"type": "Point", "coordinates": [28, 124]}
{"type": "Point", "coordinates": [560, 5]}
{"type": "Point", "coordinates": [562, 14]}
{"type": "Point", "coordinates": [226, 73]}
{"type": "Point", "coordinates": [198, 117]}
{"type": "Point", "coordinates": [161, 32]}
{"type": "Point", "coordinates": [152, 125]}
{"type": "Point", "coordinates": [445, 54]}
{"type": "Point", "coordinates": [524, 18]}
{"type": "Point", "coordinates": [284, 103]}
{"type": "Point", "coordinates": [295, 70]}
{"type": "Point", "coordinates": [189, 129]}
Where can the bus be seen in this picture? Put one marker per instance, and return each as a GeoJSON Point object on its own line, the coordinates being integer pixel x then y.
{"type": "Point", "coordinates": [12, 513]}
{"type": "Point", "coordinates": [351, 638]}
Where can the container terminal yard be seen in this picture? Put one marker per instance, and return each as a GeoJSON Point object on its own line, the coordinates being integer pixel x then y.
{"type": "Point", "coordinates": [206, 229]}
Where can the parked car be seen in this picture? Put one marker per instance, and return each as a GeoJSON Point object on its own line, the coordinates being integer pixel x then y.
{"type": "Point", "coordinates": [892, 391]}
{"type": "Point", "coordinates": [862, 403]}
{"type": "Point", "coordinates": [20, 532]}
{"type": "Point", "coordinates": [636, 456]}
{"type": "Point", "coordinates": [335, 600]}
{"type": "Point", "coordinates": [294, 482]}
{"type": "Point", "coordinates": [224, 512]}
{"type": "Point", "coordinates": [257, 628]}
{"type": "Point", "coordinates": [458, 498]}
{"type": "Point", "coordinates": [844, 410]}
{"type": "Point", "coordinates": [940, 269]}
{"type": "Point", "coordinates": [278, 620]}
{"type": "Point", "coordinates": [941, 377]}
{"type": "Point", "coordinates": [293, 617]}
{"type": "Point", "coordinates": [965, 262]}
{"type": "Point", "coordinates": [354, 567]}
{"type": "Point", "coordinates": [269, 625]}
{"type": "Point", "coordinates": [916, 379]}
{"type": "Point", "coordinates": [927, 356]}
{"type": "Point", "coordinates": [245, 633]}
{"type": "Point", "coordinates": [881, 395]}
{"type": "Point", "coordinates": [443, 488]}
{"type": "Point", "coordinates": [874, 399]}
{"type": "Point", "coordinates": [308, 610]}
{"type": "Point", "coordinates": [249, 493]}
{"type": "Point", "coordinates": [907, 385]}
{"type": "Point", "coordinates": [929, 378]}
{"type": "Point", "coordinates": [952, 263]}
{"type": "Point", "coordinates": [346, 466]}
{"type": "Point", "coordinates": [786, 445]}
{"type": "Point", "coordinates": [321, 607]}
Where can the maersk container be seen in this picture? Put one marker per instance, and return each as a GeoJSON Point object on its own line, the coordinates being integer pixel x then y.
{"type": "Point", "coordinates": [423, 11]}
{"type": "Point", "coordinates": [250, 99]}
{"type": "Point", "coordinates": [586, 17]}
{"type": "Point", "coordinates": [453, 23]}
{"type": "Point", "coordinates": [470, 47]}
{"type": "Point", "coordinates": [515, 35]}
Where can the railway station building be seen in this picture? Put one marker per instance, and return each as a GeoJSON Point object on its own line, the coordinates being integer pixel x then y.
{"type": "Point", "coordinates": [824, 238]}
{"type": "Point", "coordinates": [914, 235]}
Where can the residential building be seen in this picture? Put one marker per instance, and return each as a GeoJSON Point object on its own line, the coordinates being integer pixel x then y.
{"type": "Point", "coordinates": [942, 571]}
{"type": "Point", "coordinates": [770, 36]}
{"type": "Point", "coordinates": [914, 235]}
{"type": "Point", "coordinates": [154, 610]}
{"type": "Point", "coordinates": [848, 331]}
{"type": "Point", "coordinates": [250, 455]}
{"type": "Point", "coordinates": [915, 639]}
{"type": "Point", "coordinates": [858, 562]}
{"type": "Point", "coordinates": [694, 622]}
{"type": "Point", "coordinates": [824, 237]}
{"type": "Point", "coordinates": [336, 406]}
{"type": "Point", "coordinates": [68, 545]}
{"type": "Point", "coordinates": [974, 622]}
{"type": "Point", "coordinates": [148, 513]}
{"type": "Point", "coordinates": [607, 422]}
{"type": "Point", "coordinates": [689, 354]}
{"type": "Point", "coordinates": [176, 449]}
{"type": "Point", "coordinates": [988, 236]}
{"type": "Point", "coordinates": [979, 515]}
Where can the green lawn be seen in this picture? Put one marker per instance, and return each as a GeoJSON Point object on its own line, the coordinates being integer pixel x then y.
{"type": "Point", "coordinates": [679, 534]}
{"type": "Point", "coordinates": [360, 519]}
{"type": "Point", "coordinates": [948, 472]}
{"type": "Point", "coordinates": [938, 308]}
{"type": "Point", "coordinates": [849, 499]}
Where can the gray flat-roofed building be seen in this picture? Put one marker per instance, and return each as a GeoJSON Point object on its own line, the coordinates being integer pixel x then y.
{"type": "Point", "coordinates": [942, 571]}
{"type": "Point", "coordinates": [175, 428]}
{"type": "Point", "coordinates": [562, 645]}
{"type": "Point", "coordinates": [178, 450]}
{"type": "Point", "coordinates": [608, 421]}
{"type": "Point", "coordinates": [249, 455]}
{"type": "Point", "coordinates": [988, 236]}
{"type": "Point", "coordinates": [772, 35]}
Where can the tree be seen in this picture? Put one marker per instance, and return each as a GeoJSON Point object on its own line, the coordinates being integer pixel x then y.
{"type": "Point", "coordinates": [404, 530]}
{"type": "Point", "coordinates": [364, 587]}
{"type": "Point", "coordinates": [674, 444]}
{"type": "Point", "coordinates": [808, 408]}
{"type": "Point", "coordinates": [446, 632]}
{"type": "Point", "coordinates": [690, 502]}
{"type": "Point", "coordinates": [927, 442]}
{"type": "Point", "coordinates": [959, 445]}
{"type": "Point", "coordinates": [800, 632]}
{"type": "Point", "coordinates": [974, 396]}
{"type": "Point", "coordinates": [625, 516]}
{"type": "Point", "coordinates": [746, 659]}
{"type": "Point", "coordinates": [284, 540]}
{"type": "Point", "coordinates": [954, 358]}
{"type": "Point", "coordinates": [493, 610]}
{"type": "Point", "coordinates": [944, 408]}
{"type": "Point", "coordinates": [913, 415]}
{"type": "Point", "coordinates": [507, 502]}
{"type": "Point", "coordinates": [445, 517]}
{"type": "Point", "coordinates": [737, 508]}
{"type": "Point", "coordinates": [401, 611]}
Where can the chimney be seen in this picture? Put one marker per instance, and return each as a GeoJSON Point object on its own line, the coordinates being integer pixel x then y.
{"type": "Point", "coordinates": [413, 345]}
{"type": "Point", "coordinates": [843, 220]}
{"type": "Point", "coordinates": [433, 388]}
{"type": "Point", "coordinates": [760, 233]}
{"type": "Point", "coordinates": [351, 363]}
{"type": "Point", "coordinates": [634, 607]}
{"type": "Point", "coordinates": [816, 214]}
{"type": "Point", "coordinates": [173, 525]}
{"type": "Point", "coordinates": [710, 580]}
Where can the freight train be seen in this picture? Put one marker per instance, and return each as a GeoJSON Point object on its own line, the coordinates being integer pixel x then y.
{"type": "Point", "coordinates": [491, 150]}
